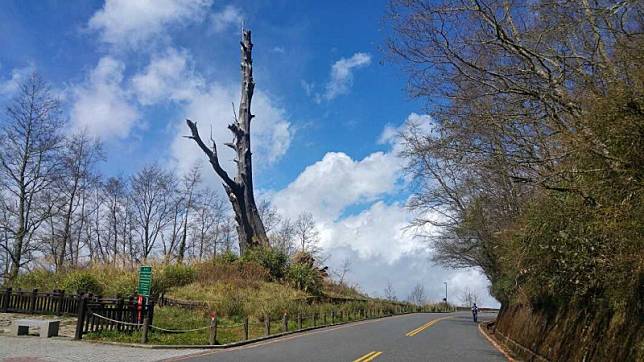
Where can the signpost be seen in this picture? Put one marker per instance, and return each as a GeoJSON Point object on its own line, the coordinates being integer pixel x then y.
{"type": "Point", "coordinates": [143, 289]}
{"type": "Point", "coordinates": [145, 280]}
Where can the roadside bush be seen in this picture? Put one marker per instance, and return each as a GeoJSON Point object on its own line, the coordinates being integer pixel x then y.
{"type": "Point", "coordinates": [42, 279]}
{"type": "Point", "coordinates": [82, 281]}
{"type": "Point", "coordinates": [304, 277]}
{"type": "Point", "coordinates": [272, 259]}
{"type": "Point", "coordinates": [123, 284]}
{"type": "Point", "coordinates": [170, 276]}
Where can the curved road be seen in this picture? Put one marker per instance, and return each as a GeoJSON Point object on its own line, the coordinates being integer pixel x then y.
{"type": "Point", "coordinates": [412, 337]}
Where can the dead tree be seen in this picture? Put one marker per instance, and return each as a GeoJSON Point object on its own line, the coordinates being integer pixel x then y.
{"type": "Point", "coordinates": [240, 189]}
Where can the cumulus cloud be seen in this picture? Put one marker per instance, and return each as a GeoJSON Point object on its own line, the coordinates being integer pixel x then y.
{"type": "Point", "coordinates": [131, 23]}
{"type": "Point", "coordinates": [341, 77]}
{"type": "Point", "coordinates": [375, 238]}
{"type": "Point", "coordinates": [336, 182]}
{"type": "Point", "coordinates": [230, 16]}
{"type": "Point", "coordinates": [212, 109]}
{"type": "Point", "coordinates": [101, 106]}
{"type": "Point", "coordinates": [167, 77]}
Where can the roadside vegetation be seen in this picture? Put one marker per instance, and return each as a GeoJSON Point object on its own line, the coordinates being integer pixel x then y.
{"type": "Point", "coordinates": [531, 164]}
{"type": "Point", "coordinates": [263, 283]}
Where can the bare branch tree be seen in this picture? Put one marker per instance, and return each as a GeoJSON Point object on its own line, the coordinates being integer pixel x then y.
{"type": "Point", "coordinates": [306, 234]}
{"type": "Point", "coordinates": [390, 293]}
{"type": "Point", "coordinates": [28, 163]}
{"type": "Point", "coordinates": [152, 190]}
{"type": "Point", "coordinates": [250, 228]}
{"type": "Point", "coordinates": [417, 295]}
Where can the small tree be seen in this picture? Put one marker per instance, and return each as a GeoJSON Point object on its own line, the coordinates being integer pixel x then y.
{"type": "Point", "coordinates": [417, 295]}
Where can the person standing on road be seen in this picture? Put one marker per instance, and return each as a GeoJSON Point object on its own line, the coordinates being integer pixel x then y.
{"type": "Point", "coordinates": [475, 312]}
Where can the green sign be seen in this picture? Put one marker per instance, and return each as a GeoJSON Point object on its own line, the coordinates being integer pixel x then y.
{"type": "Point", "coordinates": [145, 280]}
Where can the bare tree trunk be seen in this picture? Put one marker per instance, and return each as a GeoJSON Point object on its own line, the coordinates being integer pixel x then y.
{"type": "Point", "coordinates": [240, 190]}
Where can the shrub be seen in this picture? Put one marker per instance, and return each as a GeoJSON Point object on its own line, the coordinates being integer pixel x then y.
{"type": "Point", "coordinates": [227, 257]}
{"type": "Point", "coordinates": [304, 277]}
{"type": "Point", "coordinates": [272, 259]}
{"type": "Point", "coordinates": [82, 281]}
{"type": "Point", "coordinates": [42, 279]}
{"type": "Point", "coordinates": [170, 276]}
{"type": "Point", "coordinates": [121, 285]}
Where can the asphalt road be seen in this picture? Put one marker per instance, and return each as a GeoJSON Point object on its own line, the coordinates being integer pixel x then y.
{"type": "Point", "coordinates": [413, 337]}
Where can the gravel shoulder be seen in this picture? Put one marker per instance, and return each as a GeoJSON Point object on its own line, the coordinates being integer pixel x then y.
{"type": "Point", "coordinates": [30, 348]}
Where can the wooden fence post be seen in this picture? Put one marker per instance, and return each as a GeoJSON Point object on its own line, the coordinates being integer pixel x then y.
{"type": "Point", "coordinates": [32, 301]}
{"type": "Point", "coordinates": [285, 323]}
{"type": "Point", "coordinates": [61, 301]}
{"type": "Point", "coordinates": [267, 325]}
{"type": "Point", "coordinates": [119, 313]}
{"type": "Point", "coordinates": [332, 316]}
{"type": "Point", "coordinates": [246, 328]}
{"type": "Point", "coordinates": [324, 318]}
{"type": "Point", "coordinates": [315, 319]}
{"type": "Point", "coordinates": [299, 320]}
{"type": "Point", "coordinates": [80, 322]}
{"type": "Point", "coordinates": [213, 330]}
{"type": "Point", "coordinates": [6, 299]}
{"type": "Point", "coordinates": [146, 326]}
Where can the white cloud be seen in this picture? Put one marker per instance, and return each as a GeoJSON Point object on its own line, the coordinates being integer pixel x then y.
{"type": "Point", "coordinates": [376, 238]}
{"type": "Point", "coordinates": [10, 86]}
{"type": "Point", "coordinates": [132, 22]}
{"type": "Point", "coordinates": [342, 75]}
{"type": "Point", "coordinates": [167, 77]}
{"type": "Point", "coordinates": [101, 106]}
{"type": "Point", "coordinates": [228, 17]}
{"type": "Point", "coordinates": [332, 184]}
{"type": "Point", "coordinates": [213, 110]}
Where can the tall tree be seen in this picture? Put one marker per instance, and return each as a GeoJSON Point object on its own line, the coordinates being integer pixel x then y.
{"type": "Point", "coordinates": [189, 182]}
{"type": "Point", "coordinates": [28, 163]}
{"type": "Point", "coordinates": [79, 156]}
{"type": "Point", "coordinates": [250, 228]}
{"type": "Point", "coordinates": [152, 196]}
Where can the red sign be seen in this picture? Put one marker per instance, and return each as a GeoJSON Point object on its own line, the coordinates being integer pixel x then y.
{"type": "Point", "coordinates": [139, 307]}
{"type": "Point", "coordinates": [213, 315]}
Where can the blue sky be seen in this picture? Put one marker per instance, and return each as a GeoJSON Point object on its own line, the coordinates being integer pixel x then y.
{"type": "Point", "coordinates": [326, 101]}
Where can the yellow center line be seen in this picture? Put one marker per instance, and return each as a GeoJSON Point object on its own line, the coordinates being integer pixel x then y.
{"type": "Point", "coordinates": [373, 356]}
{"type": "Point", "coordinates": [424, 326]}
{"type": "Point", "coordinates": [368, 357]}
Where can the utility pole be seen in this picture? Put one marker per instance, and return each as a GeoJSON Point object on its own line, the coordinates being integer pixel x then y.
{"type": "Point", "coordinates": [445, 292]}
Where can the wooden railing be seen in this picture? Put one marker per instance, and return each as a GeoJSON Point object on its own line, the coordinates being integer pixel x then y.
{"type": "Point", "coordinates": [94, 313]}
{"type": "Point", "coordinates": [112, 314]}
{"type": "Point", "coordinates": [33, 301]}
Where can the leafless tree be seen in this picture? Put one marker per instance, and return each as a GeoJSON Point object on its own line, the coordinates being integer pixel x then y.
{"type": "Point", "coordinates": [28, 163]}
{"type": "Point", "coordinates": [343, 270]}
{"type": "Point", "coordinates": [152, 193]}
{"type": "Point", "coordinates": [115, 194]}
{"type": "Point", "coordinates": [189, 182]}
{"type": "Point", "coordinates": [79, 156]}
{"type": "Point", "coordinates": [417, 295]}
{"type": "Point", "coordinates": [306, 234]}
{"type": "Point", "coordinates": [208, 224]}
{"type": "Point", "coordinates": [469, 297]}
{"type": "Point", "coordinates": [390, 293]}
{"type": "Point", "coordinates": [250, 228]}
{"type": "Point", "coordinates": [282, 236]}
{"type": "Point", "coordinates": [270, 216]}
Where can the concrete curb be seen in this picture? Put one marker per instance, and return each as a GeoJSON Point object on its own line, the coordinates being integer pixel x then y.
{"type": "Point", "coordinates": [524, 353]}
{"type": "Point", "coordinates": [248, 341]}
